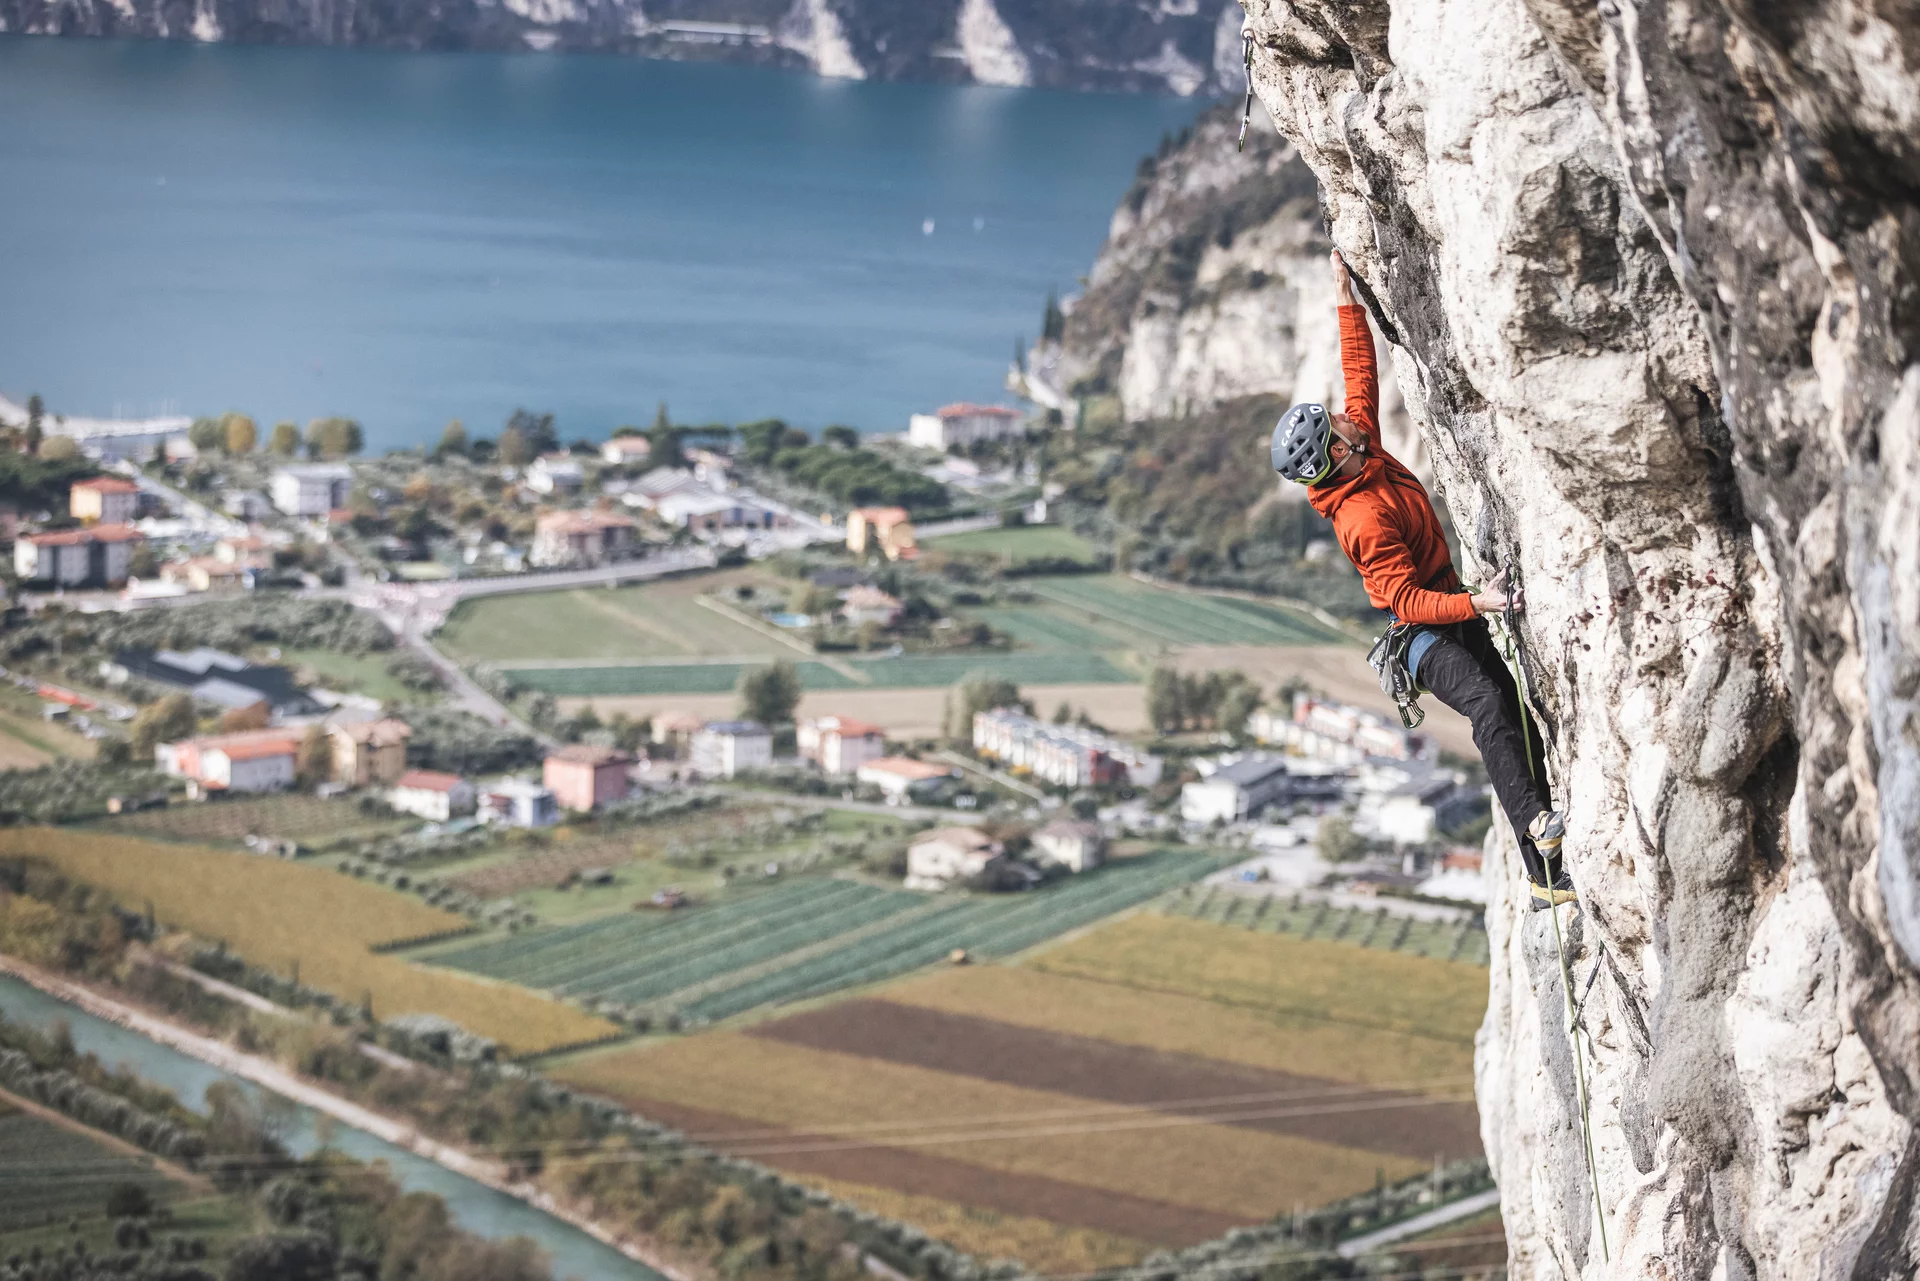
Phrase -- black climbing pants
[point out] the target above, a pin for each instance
(1464, 670)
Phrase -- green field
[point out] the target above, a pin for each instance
(1020, 543)
(909, 672)
(1146, 616)
(805, 938)
(353, 673)
(657, 620)
(50, 1171)
(1270, 914)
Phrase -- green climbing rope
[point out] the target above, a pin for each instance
(1559, 946)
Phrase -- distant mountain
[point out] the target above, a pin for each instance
(1143, 46)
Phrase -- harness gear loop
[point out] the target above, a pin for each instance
(1388, 658)
(1516, 659)
(1246, 108)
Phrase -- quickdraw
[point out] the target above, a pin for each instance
(1516, 659)
(1388, 658)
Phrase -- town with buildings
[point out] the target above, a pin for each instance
(832, 713)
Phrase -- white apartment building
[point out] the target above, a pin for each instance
(962, 425)
(311, 490)
(1337, 732)
(838, 744)
(431, 795)
(1235, 792)
(722, 749)
(1064, 755)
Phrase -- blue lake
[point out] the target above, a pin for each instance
(409, 238)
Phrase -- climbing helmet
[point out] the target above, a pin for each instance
(1300, 444)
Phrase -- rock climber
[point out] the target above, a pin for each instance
(1387, 526)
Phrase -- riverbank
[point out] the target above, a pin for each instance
(271, 1076)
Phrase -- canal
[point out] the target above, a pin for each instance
(474, 1206)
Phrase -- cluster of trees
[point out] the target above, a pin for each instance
(1185, 499)
(52, 921)
(838, 467)
(980, 692)
(34, 481)
(237, 435)
(239, 624)
(1221, 700)
(770, 694)
(65, 790)
(458, 742)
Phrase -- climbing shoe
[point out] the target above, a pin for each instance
(1546, 896)
(1546, 832)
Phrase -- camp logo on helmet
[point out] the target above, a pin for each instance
(1300, 442)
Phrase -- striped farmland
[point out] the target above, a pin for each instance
(806, 938)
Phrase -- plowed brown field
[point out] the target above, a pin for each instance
(1350, 1116)
(924, 1174)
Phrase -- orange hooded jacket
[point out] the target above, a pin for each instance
(1382, 516)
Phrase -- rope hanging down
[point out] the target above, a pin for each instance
(1517, 661)
(1246, 108)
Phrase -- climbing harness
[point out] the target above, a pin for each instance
(1516, 660)
(1246, 108)
(1388, 658)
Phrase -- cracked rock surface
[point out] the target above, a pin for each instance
(1647, 269)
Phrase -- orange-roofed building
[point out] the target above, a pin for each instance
(887, 529)
(255, 761)
(839, 744)
(586, 778)
(71, 557)
(580, 538)
(105, 500)
(900, 776)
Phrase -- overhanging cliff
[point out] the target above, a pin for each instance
(1647, 270)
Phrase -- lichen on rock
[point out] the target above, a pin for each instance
(1647, 273)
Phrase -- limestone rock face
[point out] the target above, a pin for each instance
(1647, 266)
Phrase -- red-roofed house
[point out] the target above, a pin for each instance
(256, 761)
(106, 500)
(97, 554)
(838, 744)
(962, 425)
(431, 795)
(576, 538)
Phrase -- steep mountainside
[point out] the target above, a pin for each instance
(1649, 270)
(1209, 309)
(1155, 46)
(1213, 287)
